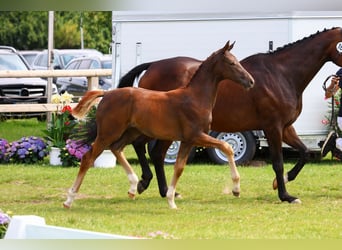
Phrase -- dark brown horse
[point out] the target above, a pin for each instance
(273, 105)
(183, 114)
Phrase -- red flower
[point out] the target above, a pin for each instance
(67, 108)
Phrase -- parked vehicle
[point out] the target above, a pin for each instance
(20, 90)
(29, 55)
(78, 85)
(61, 57)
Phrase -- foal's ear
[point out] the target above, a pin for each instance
(228, 46)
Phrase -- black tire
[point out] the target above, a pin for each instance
(172, 152)
(243, 143)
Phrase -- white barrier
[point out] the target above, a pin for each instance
(92, 76)
(34, 227)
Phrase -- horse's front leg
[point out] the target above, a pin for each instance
(275, 145)
(86, 162)
(146, 177)
(291, 138)
(157, 155)
(182, 157)
(132, 177)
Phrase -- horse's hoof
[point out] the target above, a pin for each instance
(236, 194)
(131, 196)
(66, 205)
(275, 184)
(296, 201)
(141, 188)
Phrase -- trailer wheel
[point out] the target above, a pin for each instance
(172, 152)
(243, 143)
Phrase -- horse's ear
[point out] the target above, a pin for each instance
(228, 46)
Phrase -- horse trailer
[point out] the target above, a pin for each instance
(140, 37)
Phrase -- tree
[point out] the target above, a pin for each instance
(28, 30)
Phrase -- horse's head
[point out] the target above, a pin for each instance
(232, 69)
(335, 49)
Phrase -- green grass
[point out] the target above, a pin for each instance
(14, 129)
(205, 212)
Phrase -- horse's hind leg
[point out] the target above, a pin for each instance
(132, 177)
(86, 162)
(207, 141)
(291, 138)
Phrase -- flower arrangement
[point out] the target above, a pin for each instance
(27, 150)
(3, 149)
(73, 152)
(62, 122)
(5, 219)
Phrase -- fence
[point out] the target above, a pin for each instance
(92, 77)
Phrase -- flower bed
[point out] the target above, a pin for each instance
(27, 150)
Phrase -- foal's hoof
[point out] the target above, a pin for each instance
(66, 205)
(236, 194)
(131, 196)
(296, 201)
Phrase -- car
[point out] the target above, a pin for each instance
(26, 90)
(61, 57)
(78, 85)
(29, 55)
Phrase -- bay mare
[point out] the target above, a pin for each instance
(273, 105)
(183, 114)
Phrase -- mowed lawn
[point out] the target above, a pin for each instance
(204, 212)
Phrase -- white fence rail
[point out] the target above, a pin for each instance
(92, 77)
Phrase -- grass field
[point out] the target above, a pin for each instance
(205, 212)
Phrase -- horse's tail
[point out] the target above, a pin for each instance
(128, 79)
(87, 101)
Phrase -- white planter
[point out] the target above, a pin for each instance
(105, 160)
(55, 160)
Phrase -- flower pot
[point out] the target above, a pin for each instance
(54, 156)
(105, 160)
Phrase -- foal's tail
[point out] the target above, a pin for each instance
(128, 79)
(87, 101)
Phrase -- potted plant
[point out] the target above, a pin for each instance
(60, 126)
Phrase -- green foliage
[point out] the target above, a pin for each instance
(28, 30)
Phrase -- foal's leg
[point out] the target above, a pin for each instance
(132, 177)
(86, 162)
(182, 157)
(207, 141)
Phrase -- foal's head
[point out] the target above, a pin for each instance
(230, 68)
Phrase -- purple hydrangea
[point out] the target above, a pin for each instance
(27, 150)
(3, 150)
(4, 218)
(73, 152)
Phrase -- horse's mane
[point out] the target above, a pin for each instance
(299, 41)
(289, 45)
